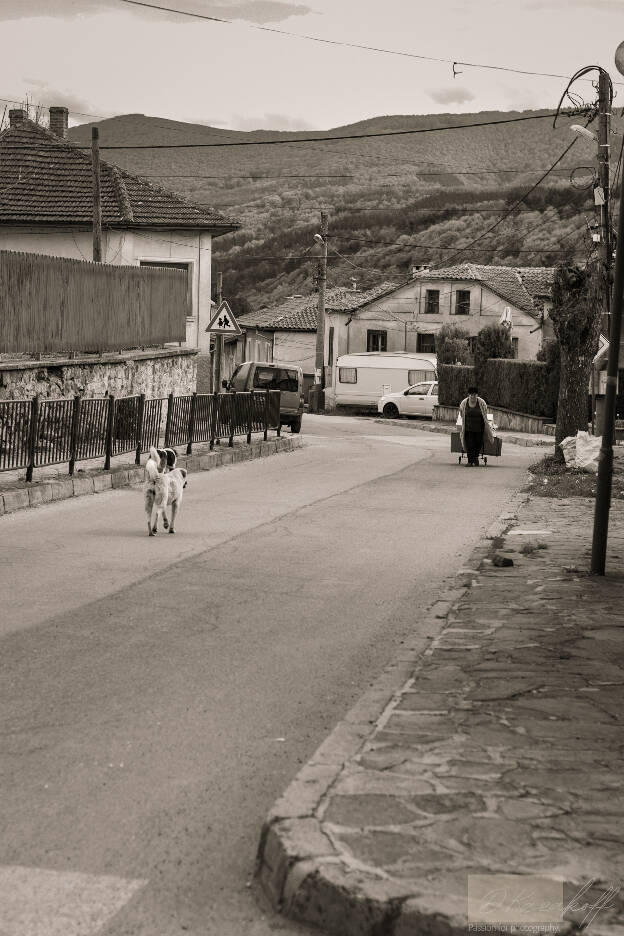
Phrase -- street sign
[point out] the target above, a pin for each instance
(223, 322)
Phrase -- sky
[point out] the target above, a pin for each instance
(101, 58)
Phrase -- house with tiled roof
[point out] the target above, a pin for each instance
(407, 316)
(46, 207)
(286, 333)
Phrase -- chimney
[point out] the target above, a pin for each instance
(58, 121)
(17, 117)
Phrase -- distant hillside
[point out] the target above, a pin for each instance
(392, 200)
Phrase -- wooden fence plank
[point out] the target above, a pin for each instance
(54, 304)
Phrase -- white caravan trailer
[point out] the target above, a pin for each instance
(361, 379)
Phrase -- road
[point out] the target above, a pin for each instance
(159, 694)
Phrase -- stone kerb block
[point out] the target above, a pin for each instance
(120, 479)
(61, 488)
(103, 482)
(16, 500)
(83, 486)
(39, 494)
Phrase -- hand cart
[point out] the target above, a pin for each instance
(489, 448)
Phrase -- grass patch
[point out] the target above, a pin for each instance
(552, 479)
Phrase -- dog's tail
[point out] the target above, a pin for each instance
(152, 464)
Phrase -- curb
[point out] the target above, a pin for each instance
(297, 866)
(447, 428)
(45, 492)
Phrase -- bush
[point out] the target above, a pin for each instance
(453, 383)
(493, 341)
(521, 386)
(452, 345)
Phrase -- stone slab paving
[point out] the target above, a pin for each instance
(499, 751)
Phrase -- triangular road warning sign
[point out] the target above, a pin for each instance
(223, 322)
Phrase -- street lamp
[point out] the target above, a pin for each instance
(584, 132)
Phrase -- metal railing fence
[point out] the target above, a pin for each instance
(36, 433)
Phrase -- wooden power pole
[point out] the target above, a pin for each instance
(605, 459)
(317, 391)
(97, 197)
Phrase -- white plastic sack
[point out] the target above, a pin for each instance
(587, 451)
(582, 451)
(568, 447)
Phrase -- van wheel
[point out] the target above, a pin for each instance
(295, 425)
(390, 410)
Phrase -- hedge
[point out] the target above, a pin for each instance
(528, 387)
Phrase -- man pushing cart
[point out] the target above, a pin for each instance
(474, 438)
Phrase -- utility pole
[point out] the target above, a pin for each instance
(605, 459)
(218, 339)
(317, 395)
(97, 198)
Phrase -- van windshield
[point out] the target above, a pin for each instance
(276, 378)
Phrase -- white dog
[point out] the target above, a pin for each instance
(177, 483)
(157, 486)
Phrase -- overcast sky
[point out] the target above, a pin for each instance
(107, 57)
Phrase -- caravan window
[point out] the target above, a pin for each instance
(415, 376)
(347, 374)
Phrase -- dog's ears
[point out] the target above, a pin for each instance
(171, 457)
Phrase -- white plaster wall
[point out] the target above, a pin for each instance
(290, 347)
(392, 313)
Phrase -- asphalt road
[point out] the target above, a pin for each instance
(157, 695)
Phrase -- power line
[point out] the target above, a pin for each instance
(344, 44)
(518, 202)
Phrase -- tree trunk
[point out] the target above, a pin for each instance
(572, 406)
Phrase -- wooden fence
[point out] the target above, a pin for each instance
(34, 433)
(50, 304)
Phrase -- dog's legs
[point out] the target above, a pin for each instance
(149, 509)
(174, 510)
(165, 521)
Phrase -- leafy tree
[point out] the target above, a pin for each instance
(493, 341)
(578, 303)
(452, 345)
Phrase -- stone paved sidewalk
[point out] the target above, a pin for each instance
(497, 751)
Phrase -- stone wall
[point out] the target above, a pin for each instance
(155, 373)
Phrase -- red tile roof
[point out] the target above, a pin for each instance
(298, 313)
(45, 179)
(522, 286)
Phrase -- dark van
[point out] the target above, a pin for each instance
(256, 375)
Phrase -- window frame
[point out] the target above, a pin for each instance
(460, 302)
(419, 337)
(430, 294)
(382, 337)
(342, 370)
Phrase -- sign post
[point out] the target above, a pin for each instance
(222, 323)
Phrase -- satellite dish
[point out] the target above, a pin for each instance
(506, 319)
(619, 58)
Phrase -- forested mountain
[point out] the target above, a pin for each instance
(393, 201)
